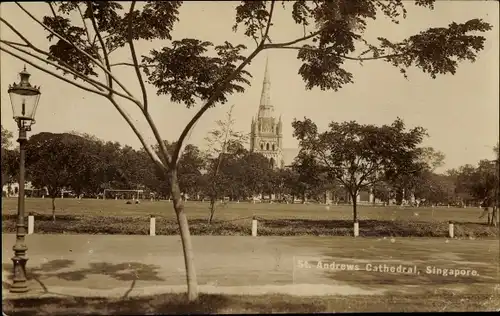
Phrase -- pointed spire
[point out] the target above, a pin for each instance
(265, 107)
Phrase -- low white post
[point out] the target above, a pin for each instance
(254, 227)
(31, 224)
(451, 229)
(152, 226)
(356, 229)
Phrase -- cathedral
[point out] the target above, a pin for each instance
(266, 133)
(266, 138)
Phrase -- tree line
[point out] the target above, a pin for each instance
(388, 161)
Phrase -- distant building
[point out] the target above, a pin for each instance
(266, 138)
(12, 190)
(266, 133)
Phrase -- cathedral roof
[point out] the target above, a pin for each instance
(265, 107)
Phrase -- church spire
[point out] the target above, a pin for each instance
(265, 107)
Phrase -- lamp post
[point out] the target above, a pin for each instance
(24, 100)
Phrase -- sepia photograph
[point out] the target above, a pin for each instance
(250, 157)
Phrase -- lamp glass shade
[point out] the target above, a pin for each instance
(24, 98)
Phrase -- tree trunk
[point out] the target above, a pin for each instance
(495, 216)
(354, 208)
(53, 209)
(187, 247)
(212, 209)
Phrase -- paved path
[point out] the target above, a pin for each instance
(117, 266)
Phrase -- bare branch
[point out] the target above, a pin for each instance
(130, 122)
(65, 67)
(266, 33)
(52, 73)
(366, 174)
(16, 31)
(95, 61)
(132, 65)
(94, 83)
(103, 45)
(267, 46)
(210, 102)
(85, 25)
(156, 133)
(214, 96)
(134, 58)
(283, 45)
(14, 43)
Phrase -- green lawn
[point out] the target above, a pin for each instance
(199, 210)
(116, 217)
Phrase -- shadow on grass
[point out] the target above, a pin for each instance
(127, 272)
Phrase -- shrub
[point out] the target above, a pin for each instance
(139, 225)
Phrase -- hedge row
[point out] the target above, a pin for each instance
(139, 225)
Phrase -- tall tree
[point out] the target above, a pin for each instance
(54, 161)
(359, 156)
(6, 138)
(411, 176)
(219, 139)
(83, 34)
(308, 172)
(9, 159)
(481, 183)
(191, 165)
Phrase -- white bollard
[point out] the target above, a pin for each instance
(356, 229)
(451, 229)
(152, 226)
(31, 224)
(254, 227)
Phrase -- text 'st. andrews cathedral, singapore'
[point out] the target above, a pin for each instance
(266, 133)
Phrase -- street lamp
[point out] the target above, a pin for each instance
(24, 99)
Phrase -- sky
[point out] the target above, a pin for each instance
(460, 112)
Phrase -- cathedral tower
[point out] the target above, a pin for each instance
(266, 135)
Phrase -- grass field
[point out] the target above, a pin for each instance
(116, 217)
(197, 210)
